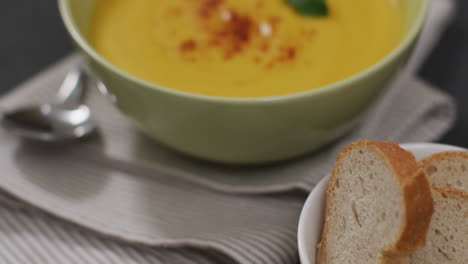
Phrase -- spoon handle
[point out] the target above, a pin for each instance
(72, 92)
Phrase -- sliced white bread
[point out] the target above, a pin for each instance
(448, 233)
(378, 206)
(447, 240)
(447, 169)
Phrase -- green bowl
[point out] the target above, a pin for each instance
(243, 130)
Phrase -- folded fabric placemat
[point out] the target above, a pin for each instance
(126, 199)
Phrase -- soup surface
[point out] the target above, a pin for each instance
(243, 48)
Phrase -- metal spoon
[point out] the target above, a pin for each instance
(65, 119)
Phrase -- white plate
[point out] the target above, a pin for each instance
(312, 215)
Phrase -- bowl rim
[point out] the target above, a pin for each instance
(404, 44)
(321, 188)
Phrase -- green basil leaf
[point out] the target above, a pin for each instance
(309, 7)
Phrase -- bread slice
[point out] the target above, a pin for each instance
(448, 232)
(447, 240)
(378, 206)
(447, 169)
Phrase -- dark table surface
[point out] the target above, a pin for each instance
(32, 37)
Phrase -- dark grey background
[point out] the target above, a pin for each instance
(32, 37)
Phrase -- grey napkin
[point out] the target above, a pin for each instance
(126, 199)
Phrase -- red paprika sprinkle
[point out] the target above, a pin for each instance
(188, 45)
(231, 32)
(208, 7)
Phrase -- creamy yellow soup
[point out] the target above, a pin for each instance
(243, 48)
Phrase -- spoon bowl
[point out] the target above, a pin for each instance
(66, 119)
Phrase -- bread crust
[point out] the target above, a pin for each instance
(418, 208)
(446, 155)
